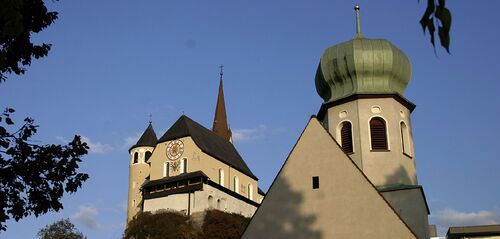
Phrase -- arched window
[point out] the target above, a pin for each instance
(210, 201)
(378, 133)
(346, 137)
(250, 191)
(405, 139)
(136, 157)
(218, 204)
(148, 155)
(236, 184)
(184, 165)
(166, 169)
(221, 176)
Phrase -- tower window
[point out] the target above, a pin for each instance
(405, 139)
(236, 184)
(221, 177)
(378, 133)
(166, 169)
(136, 157)
(184, 165)
(147, 156)
(315, 181)
(346, 137)
(250, 191)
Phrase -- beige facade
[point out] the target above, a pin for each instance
(138, 172)
(396, 165)
(197, 160)
(344, 205)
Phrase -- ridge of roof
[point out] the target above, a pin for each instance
(148, 138)
(209, 142)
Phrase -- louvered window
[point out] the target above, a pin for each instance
(378, 134)
(346, 137)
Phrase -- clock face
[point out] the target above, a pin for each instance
(175, 149)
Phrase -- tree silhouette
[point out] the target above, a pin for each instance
(62, 229)
(33, 177)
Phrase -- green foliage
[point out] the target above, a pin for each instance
(160, 225)
(221, 225)
(62, 229)
(168, 224)
(19, 19)
(35, 177)
(436, 14)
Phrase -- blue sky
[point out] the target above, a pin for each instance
(115, 62)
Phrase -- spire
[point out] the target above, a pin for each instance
(148, 138)
(220, 126)
(358, 22)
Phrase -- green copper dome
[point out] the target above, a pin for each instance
(362, 66)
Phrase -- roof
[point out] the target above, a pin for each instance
(174, 178)
(208, 142)
(484, 230)
(220, 126)
(148, 138)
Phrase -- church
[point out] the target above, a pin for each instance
(351, 174)
(190, 169)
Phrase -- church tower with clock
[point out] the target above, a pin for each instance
(190, 169)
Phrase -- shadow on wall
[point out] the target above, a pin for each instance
(400, 176)
(280, 215)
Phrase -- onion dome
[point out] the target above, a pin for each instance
(148, 138)
(362, 66)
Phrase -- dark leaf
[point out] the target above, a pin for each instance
(9, 121)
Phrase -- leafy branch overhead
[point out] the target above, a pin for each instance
(436, 14)
(35, 177)
(18, 20)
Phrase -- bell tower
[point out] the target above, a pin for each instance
(139, 169)
(362, 83)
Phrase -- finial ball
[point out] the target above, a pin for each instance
(356, 8)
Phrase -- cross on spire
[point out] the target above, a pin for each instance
(221, 71)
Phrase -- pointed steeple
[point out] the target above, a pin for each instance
(148, 138)
(220, 126)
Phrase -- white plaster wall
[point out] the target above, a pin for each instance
(177, 202)
(232, 205)
(199, 202)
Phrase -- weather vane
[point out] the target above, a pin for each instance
(150, 118)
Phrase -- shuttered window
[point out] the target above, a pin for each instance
(378, 134)
(346, 137)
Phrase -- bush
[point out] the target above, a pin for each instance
(170, 224)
